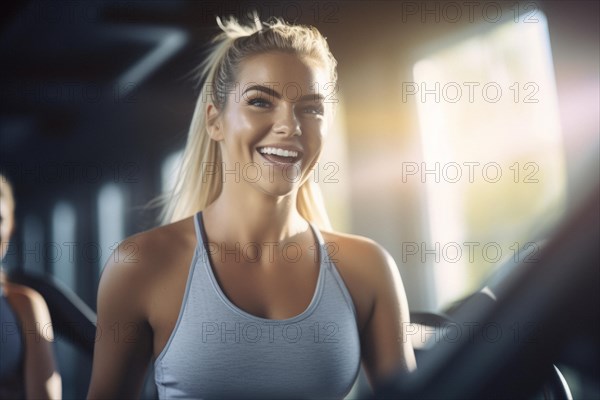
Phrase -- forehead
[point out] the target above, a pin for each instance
(278, 69)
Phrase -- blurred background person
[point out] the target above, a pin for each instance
(27, 366)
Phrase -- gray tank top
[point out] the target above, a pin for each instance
(12, 352)
(219, 351)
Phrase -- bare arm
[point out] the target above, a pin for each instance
(42, 380)
(123, 346)
(385, 346)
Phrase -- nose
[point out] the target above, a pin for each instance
(286, 122)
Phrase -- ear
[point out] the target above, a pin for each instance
(213, 123)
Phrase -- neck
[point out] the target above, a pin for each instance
(245, 215)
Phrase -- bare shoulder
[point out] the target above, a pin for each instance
(27, 302)
(141, 260)
(358, 252)
(132, 287)
(22, 293)
(148, 250)
(146, 246)
(364, 265)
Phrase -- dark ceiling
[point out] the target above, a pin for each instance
(72, 74)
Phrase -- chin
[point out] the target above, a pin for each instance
(280, 189)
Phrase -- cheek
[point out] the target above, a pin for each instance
(314, 142)
(314, 134)
(244, 126)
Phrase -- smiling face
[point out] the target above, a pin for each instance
(272, 127)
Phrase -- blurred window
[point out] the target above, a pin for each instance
(111, 230)
(62, 250)
(170, 169)
(493, 156)
(33, 245)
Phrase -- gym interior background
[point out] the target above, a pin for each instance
(462, 128)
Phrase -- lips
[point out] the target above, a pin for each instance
(280, 154)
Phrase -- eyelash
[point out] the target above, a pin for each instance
(262, 103)
(256, 101)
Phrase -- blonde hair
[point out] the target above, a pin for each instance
(194, 188)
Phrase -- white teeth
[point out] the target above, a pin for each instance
(279, 152)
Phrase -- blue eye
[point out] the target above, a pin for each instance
(258, 102)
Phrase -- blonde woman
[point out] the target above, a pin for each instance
(246, 292)
(27, 365)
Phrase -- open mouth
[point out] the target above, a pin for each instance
(277, 155)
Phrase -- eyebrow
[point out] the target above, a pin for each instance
(273, 93)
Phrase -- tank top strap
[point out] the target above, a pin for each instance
(202, 245)
(317, 233)
(322, 248)
(198, 228)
